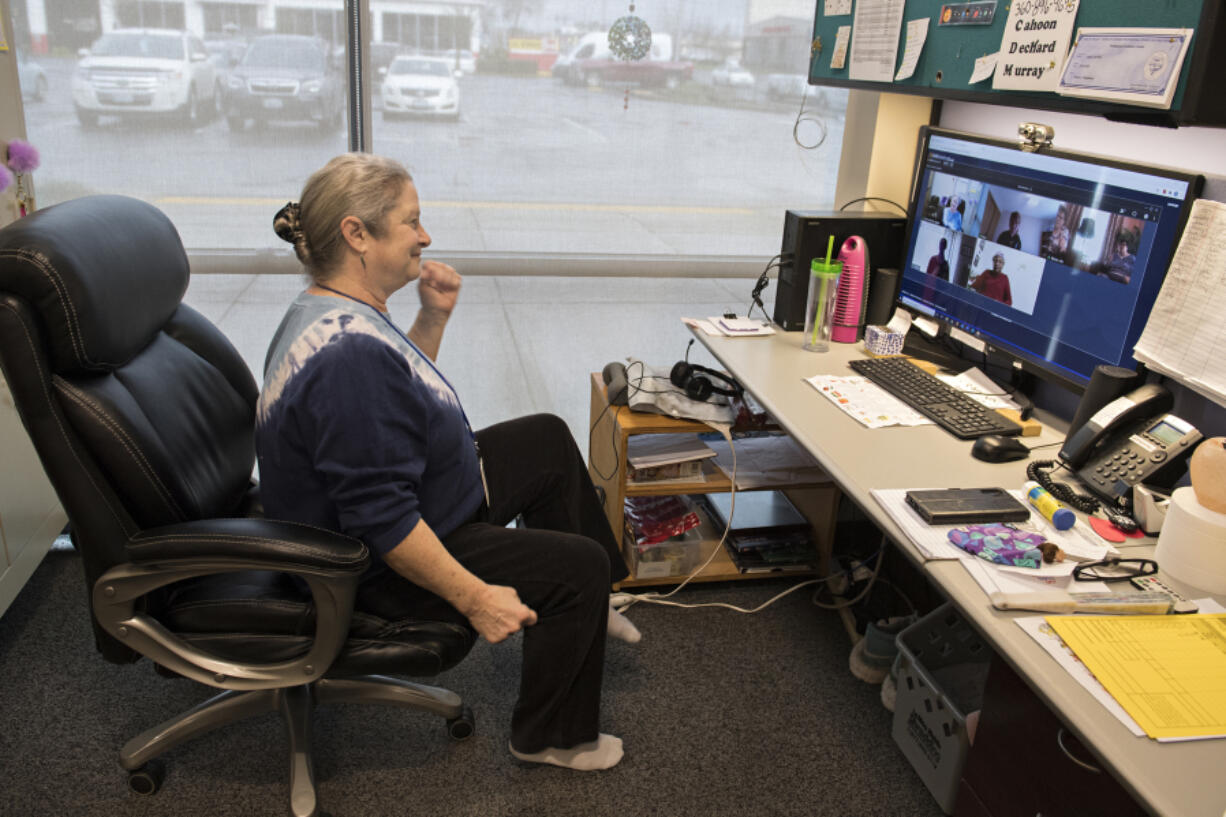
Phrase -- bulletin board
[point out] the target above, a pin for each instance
(947, 61)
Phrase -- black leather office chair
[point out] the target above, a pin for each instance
(142, 413)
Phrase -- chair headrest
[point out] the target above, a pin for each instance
(103, 272)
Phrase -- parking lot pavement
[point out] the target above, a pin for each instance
(532, 165)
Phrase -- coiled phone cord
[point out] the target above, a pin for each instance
(1039, 471)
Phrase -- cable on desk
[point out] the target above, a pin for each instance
(1040, 472)
(755, 297)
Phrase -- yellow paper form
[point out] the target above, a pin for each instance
(1168, 672)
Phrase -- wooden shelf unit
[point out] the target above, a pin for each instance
(612, 427)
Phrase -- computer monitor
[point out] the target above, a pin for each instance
(1052, 257)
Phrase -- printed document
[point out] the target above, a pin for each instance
(1167, 672)
(874, 39)
(867, 402)
(1185, 334)
(1042, 632)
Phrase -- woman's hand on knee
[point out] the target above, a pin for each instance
(497, 613)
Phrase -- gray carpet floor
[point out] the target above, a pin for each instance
(721, 713)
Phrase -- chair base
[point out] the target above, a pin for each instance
(296, 705)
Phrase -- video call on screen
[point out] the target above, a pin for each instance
(1055, 258)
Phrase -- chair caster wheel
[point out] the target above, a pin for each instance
(146, 780)
(463, 727)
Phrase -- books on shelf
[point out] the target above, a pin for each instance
(664, 458)
(664, 474)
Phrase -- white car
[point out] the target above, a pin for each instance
(144, 71)
(731, 73)
(420, 85)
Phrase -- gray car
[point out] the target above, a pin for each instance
(287, 78)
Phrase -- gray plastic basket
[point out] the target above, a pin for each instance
(941, 669)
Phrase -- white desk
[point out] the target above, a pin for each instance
(1181, 780)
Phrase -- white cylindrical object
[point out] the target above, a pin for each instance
(1192, 545)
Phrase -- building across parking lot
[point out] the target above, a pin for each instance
(43, 26)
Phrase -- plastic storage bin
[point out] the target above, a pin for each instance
(941, 669)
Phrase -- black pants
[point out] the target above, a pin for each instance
(559, 565)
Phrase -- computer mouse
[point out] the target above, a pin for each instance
(999, 448)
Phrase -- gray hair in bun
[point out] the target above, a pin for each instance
(363, 185)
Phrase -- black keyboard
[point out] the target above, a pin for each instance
(949, 408)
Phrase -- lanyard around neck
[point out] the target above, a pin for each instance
(414, 347)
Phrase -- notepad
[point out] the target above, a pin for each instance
(1167, 672)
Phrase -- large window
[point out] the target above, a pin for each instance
(525, 134)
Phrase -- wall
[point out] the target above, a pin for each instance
(879, 157)
(30, 515)
(1202, 150)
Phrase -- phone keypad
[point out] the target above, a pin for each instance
(1119, 471)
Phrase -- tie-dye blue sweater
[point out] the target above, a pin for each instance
(357, 432)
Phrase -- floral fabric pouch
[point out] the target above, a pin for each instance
(1000, 544)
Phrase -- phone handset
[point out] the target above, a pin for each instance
(1150, 400)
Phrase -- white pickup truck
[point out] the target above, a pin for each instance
(591, 63)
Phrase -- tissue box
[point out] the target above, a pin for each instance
(882, 340)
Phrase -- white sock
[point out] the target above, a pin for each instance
(621, 627)
(602, 753)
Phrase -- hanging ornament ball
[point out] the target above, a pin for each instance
(630, 38)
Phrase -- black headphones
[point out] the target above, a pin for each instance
(695, 381)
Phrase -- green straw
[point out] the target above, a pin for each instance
(821, 293)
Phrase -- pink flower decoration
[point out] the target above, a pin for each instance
(23, 157)
(6, 178)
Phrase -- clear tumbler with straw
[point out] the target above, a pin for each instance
(823, 290)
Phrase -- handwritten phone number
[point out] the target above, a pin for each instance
(1032, 8)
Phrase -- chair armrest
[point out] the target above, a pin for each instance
(329, 563)
(297, 546)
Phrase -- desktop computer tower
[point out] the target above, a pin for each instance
(806, 234)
